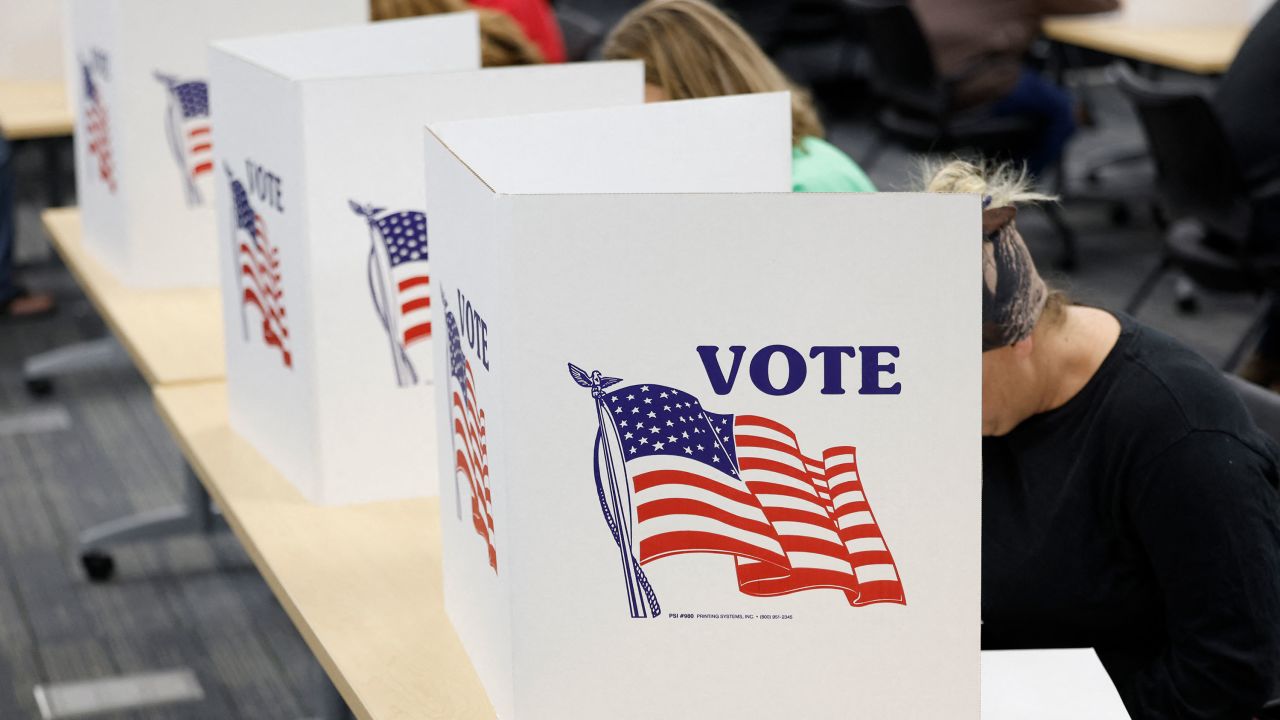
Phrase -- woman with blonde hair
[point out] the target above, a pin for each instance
(1129, 503)
(502, 42)
(692, 50)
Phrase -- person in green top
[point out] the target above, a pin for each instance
(690, 50)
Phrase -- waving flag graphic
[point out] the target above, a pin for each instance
(258, 271)
(673, 478)
(187, 125)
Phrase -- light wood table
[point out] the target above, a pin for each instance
(172, 336)
(362, 583)
(1198, 50)
(32, 111)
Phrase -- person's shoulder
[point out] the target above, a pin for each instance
(1175, 393)
(819, 166)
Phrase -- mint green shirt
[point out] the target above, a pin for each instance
(819, 166)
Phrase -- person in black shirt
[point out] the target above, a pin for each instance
(1129, 502)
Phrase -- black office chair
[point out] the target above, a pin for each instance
(919, 105)
(1214, 239)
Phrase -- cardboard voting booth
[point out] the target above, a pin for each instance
(709, 448)
(325, 259)
(138, 77)
(31, 47)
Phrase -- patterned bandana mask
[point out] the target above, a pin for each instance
(1012, 292)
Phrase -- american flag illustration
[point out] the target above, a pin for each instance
(399, 282)
(259, 276)
(470, 443)
(97, 124)
(190, 136)
(673, 477)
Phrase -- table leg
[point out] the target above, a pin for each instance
(53, 171)
(195, 515)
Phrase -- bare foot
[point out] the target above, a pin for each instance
(29, 306)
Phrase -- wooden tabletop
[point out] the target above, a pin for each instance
(362, 583)
(34, 110)
(1199, 50)
(173, 336)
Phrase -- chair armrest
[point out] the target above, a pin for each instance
(1269, 191)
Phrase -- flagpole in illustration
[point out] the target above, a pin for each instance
(458, 370)
(235, 254)
(405, 374)
(173, 125)
(614, 491)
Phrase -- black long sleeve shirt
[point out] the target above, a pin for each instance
(1141, 519)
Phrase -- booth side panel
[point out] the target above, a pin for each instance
(93, 81)
(475, 481)
(370, 285)
(263, 261)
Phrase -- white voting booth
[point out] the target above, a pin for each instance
(31, 48)
(709, 447)
(138, 77)
(324, 252)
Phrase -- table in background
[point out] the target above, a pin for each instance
(30, 111)
(364, 586)
(37, 113)
(172, 336)
(1197, 50)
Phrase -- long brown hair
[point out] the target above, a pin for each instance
(692, 50)
(502, 42)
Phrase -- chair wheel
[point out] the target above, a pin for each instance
(39, 387)
(1188, 304)
(99, 566)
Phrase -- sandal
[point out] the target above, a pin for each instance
(28, 306)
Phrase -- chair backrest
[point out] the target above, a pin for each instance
(1262, 404)
(1197, 175)
(904, 72)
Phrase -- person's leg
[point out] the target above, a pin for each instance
(8, 289)
(1052, 109)
(14, 301)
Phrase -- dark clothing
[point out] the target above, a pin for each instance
(1141, 519)
(8, 287)
(1246, 102)
(1052, 108)
(993, 34)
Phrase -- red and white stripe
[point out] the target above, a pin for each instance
(199, 144)
(472, 458)
(98, 127)
(413, 293)
(792, 523)
(683, 506)
(262, 286)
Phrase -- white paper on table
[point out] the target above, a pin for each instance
(1048, 685)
